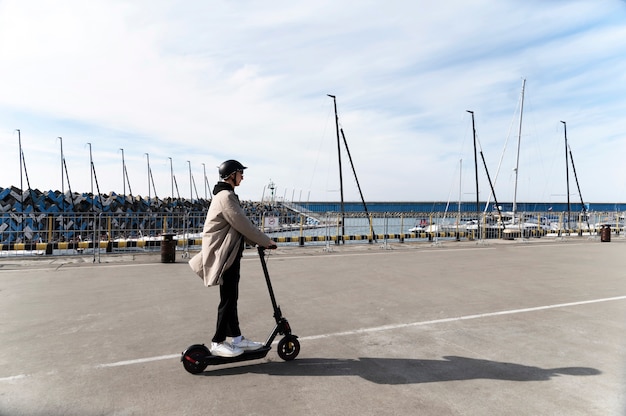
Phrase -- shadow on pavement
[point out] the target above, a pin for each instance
(406, 371)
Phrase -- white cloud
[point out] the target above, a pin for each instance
(206, 81)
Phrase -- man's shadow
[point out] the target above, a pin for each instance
(406, 371)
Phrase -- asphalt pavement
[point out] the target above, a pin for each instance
(530, 327)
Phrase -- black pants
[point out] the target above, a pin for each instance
(227, 317)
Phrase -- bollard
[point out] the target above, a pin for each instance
(168, 249)
(605, 233)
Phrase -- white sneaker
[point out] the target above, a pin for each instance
(247, 345)
(225, 349)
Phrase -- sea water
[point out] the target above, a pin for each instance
(332, 226)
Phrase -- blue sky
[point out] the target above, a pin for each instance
(204, 81)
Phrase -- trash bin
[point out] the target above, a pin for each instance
(605, 233)
(168, 249)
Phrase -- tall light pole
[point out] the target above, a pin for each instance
(567, 174)
(340, 173)
(476, 174)
(172, 176)
(62, 179)
(206, 182)
(19, 141)
(92, 171)
(190, 183)
(475, 161)
(91, 176)
(123, 175)
(149, 196)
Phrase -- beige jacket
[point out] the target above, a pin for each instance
(226, 224)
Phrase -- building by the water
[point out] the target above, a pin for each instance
(442, 206)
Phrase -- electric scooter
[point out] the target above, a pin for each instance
(197, 357)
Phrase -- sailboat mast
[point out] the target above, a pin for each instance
(495, 199)
(519, 141)
(571, 156)
(356, 179)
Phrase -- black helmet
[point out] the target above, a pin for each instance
(229, 167)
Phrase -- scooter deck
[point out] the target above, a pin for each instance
(246, 356)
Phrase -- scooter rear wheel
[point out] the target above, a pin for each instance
(288, 348)
(193, 359)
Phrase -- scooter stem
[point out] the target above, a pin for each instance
(277, 313)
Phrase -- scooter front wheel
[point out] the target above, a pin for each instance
(288, 348)
(194, 359)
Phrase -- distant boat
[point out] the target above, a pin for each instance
(418, 228)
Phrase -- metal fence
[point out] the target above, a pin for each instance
(84, 233)
(87, 233)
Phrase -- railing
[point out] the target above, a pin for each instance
(62, 234)
(338, 228)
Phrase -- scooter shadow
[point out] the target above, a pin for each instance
(395, 371)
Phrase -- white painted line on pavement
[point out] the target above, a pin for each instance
(139, 361)
(13, 378)
(389, 327)
(461, 318)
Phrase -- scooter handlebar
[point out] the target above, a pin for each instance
(270, 247)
